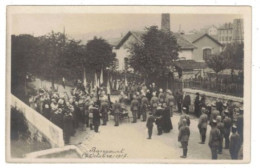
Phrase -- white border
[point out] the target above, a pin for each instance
(255, 65)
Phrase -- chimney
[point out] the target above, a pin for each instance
(165, 22)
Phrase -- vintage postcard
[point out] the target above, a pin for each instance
(128, 84)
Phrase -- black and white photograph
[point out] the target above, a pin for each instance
(128, 84)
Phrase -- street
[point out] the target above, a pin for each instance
(132, 138)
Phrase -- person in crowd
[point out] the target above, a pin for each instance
(161, 96)
(57, 118)
(184, 116)
(144, 107)
(139, 99)
(183, 137)
(202, 125)
(86, 110)
(149, 125)
(240, 125)
(96, 117)
(214, 140)
(197, 105)
(67, 126)
(220, 126)
(134, 108)
(187, 102)
(234, 145)
(159, 119)
(166, 119)
(227, 126)
(117, 110)
(104, 109)
(179, 101)
(170, 102)
(219, 106)
(213, 116)
(154, 102)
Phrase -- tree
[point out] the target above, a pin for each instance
(99, 55)
(54, 45)
(217, 62)
(234, 52)
(153, 57)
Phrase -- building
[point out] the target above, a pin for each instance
(211, 30)
(231, 32)
(225, 33)
(205, 45)
(122, 49)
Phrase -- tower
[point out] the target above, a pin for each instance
(165, 22)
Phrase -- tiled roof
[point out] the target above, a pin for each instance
(192, 37)
(182, 42)
(196, 36)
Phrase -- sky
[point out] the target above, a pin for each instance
(86, 26)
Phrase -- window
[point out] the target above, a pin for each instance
(206, 53)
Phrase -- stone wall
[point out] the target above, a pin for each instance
(210, 97)
(40, 127)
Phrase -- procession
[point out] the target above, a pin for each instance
(165, 88)
(87, 109)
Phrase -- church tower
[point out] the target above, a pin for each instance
(165, 22)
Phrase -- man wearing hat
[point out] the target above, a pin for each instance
(154, 102)
(149, 125)
(117, 110)
(184, 116)
(214, 115)
(134, 108)
(197, 105)
(144, 107)
(203, 123)
(183, 137)
(104, 109)
(220, 126)
(227, 126)
(234, 146)
(170, 102)
(214, 140)
(159, 119)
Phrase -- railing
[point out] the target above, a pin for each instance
(52, 132)
(228, 88)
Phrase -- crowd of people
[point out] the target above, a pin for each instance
(84, 108)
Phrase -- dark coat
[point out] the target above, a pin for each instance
(150, 121)
(166, 117)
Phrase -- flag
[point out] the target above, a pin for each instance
(101, 77)
(96, 81)
(108, 87)
(91, 87)
(84, 78)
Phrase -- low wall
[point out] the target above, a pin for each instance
(50, 131)
(210, 96)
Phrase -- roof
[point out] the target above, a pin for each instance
(197, 36)
(189, 64)
(113, 41)
(182, 42)
(136, 34)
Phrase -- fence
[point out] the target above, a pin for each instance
(53, 133)
(229, 88)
